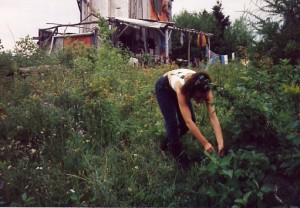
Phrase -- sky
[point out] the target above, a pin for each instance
(19, 18)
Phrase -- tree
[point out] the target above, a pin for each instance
(222, 23)
(226, 38)
(1, 46)
(24, 49)
(201, 21)
(279, 31)
(239, 36)
(7, 65)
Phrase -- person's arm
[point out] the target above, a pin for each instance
(215, 121)
(187, 116)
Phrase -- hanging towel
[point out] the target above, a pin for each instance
(224, 59)
(181, 38)
(213, 57)
(198, 40)
(233, 56)
(201, 40)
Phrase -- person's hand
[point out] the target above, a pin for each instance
(221, 150)
(208, 147)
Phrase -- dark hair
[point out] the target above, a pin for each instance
(198, 82)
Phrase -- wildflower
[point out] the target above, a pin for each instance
(72, 191)
(3, 117)
(9, 167)
(81, 132)
(32, 151)
(19, 127)
(136, 167)
(129, 189)
(39, 168)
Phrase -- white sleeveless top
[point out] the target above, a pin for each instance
(179, 75)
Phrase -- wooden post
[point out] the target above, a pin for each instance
(144, 31)
(189, 49)
(167, 45)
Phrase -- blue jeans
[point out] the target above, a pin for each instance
(168, 104)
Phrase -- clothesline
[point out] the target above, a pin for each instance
(189, 30)
(214, 58)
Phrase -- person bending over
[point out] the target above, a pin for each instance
(174, 92)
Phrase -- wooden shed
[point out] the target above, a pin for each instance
(143, 26)
(140, 23)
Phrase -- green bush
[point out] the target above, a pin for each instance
(7, 64)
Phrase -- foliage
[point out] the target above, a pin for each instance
(7, 65)
(73, 51)
(227, 37)
(202, 21)
(105, 32)
(222, 23)
(86, 133)
(237, 184)
(1, 46)
(239, 35)
(23, 50)
(279, 30)
(25, 47)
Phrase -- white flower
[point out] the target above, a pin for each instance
(81, 132)
(72, 191)
(136, 167)
(32, 151)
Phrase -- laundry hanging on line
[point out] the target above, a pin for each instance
(181, 38)
(214, 58)
(201, 40)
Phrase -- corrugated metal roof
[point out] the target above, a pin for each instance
(158, 25)
(142, 23)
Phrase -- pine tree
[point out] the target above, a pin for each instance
(280, 31)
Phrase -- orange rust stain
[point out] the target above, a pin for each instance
(159, 17)
(83, 39)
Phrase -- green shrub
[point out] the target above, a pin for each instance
(7, 64)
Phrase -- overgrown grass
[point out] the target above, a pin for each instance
(88, 136)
